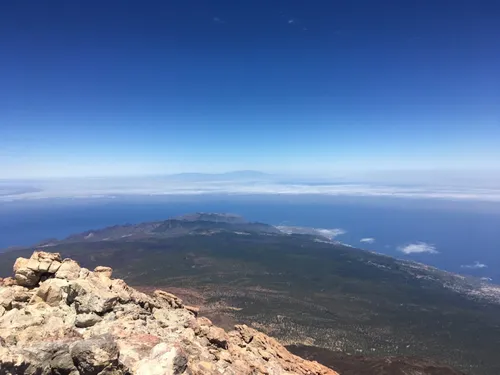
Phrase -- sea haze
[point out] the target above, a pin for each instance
(458, 236)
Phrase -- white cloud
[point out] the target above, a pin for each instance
(475, 265)
(367, 240)
(63, 188)
(217, 20)
(332, 233)
(418, 248)
(291, 20)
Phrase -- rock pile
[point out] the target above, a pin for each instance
(57, 318)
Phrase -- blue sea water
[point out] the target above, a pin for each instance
(462, 232)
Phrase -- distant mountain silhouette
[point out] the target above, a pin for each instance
(234, 175)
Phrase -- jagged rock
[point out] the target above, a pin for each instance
(143, 300)
(195, 310)
(6, 297)
(168, 299)
(218, 337)
(87, 320)
(103, 271)
(95, 355)
(52, 291)
(28, 272)
(84, 273)
(19, 264)
(84, 323)
(27, 277)
(69, 270)
(90, 297)
(41, 262)
(121, 289)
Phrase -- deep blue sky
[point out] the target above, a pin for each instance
(138, 87)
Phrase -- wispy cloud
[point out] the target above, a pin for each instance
(475, 265)
(217, 20)
(291, 21)
(367, 240)
(418, 248)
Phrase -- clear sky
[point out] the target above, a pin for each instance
(146, 87)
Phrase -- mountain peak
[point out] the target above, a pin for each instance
(212, 217)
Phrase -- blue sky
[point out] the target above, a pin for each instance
(129, 88)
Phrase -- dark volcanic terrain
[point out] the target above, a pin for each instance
(349, 307)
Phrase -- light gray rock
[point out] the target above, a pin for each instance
(20, 263)
(52, 291)
(164, 359)
(84, 273)
(69, 270)
(87, 320)
(27, 277)
(90, 297)
(119, 287)
(6, 297)
(103, 271)
(168, 299)
(54, 266)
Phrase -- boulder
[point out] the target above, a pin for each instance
(69, 270)
(6, 298)
(218, 337)
(41, 261)
(119, 287)
(27, 277)
(164, 359)
(52, 291)
(20, 263)
(84, 273)
(90, 297)
(103, 271)
(195, 310)
(168, 299)
(54, 267)
(95, 355)
(87, 320)
(28, 272)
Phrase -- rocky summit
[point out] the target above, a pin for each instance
(59, 318)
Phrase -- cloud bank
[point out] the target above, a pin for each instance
(223, 184)
(367, 240)
(418, 248)
(475, 265)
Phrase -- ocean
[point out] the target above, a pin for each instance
(464, 236)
